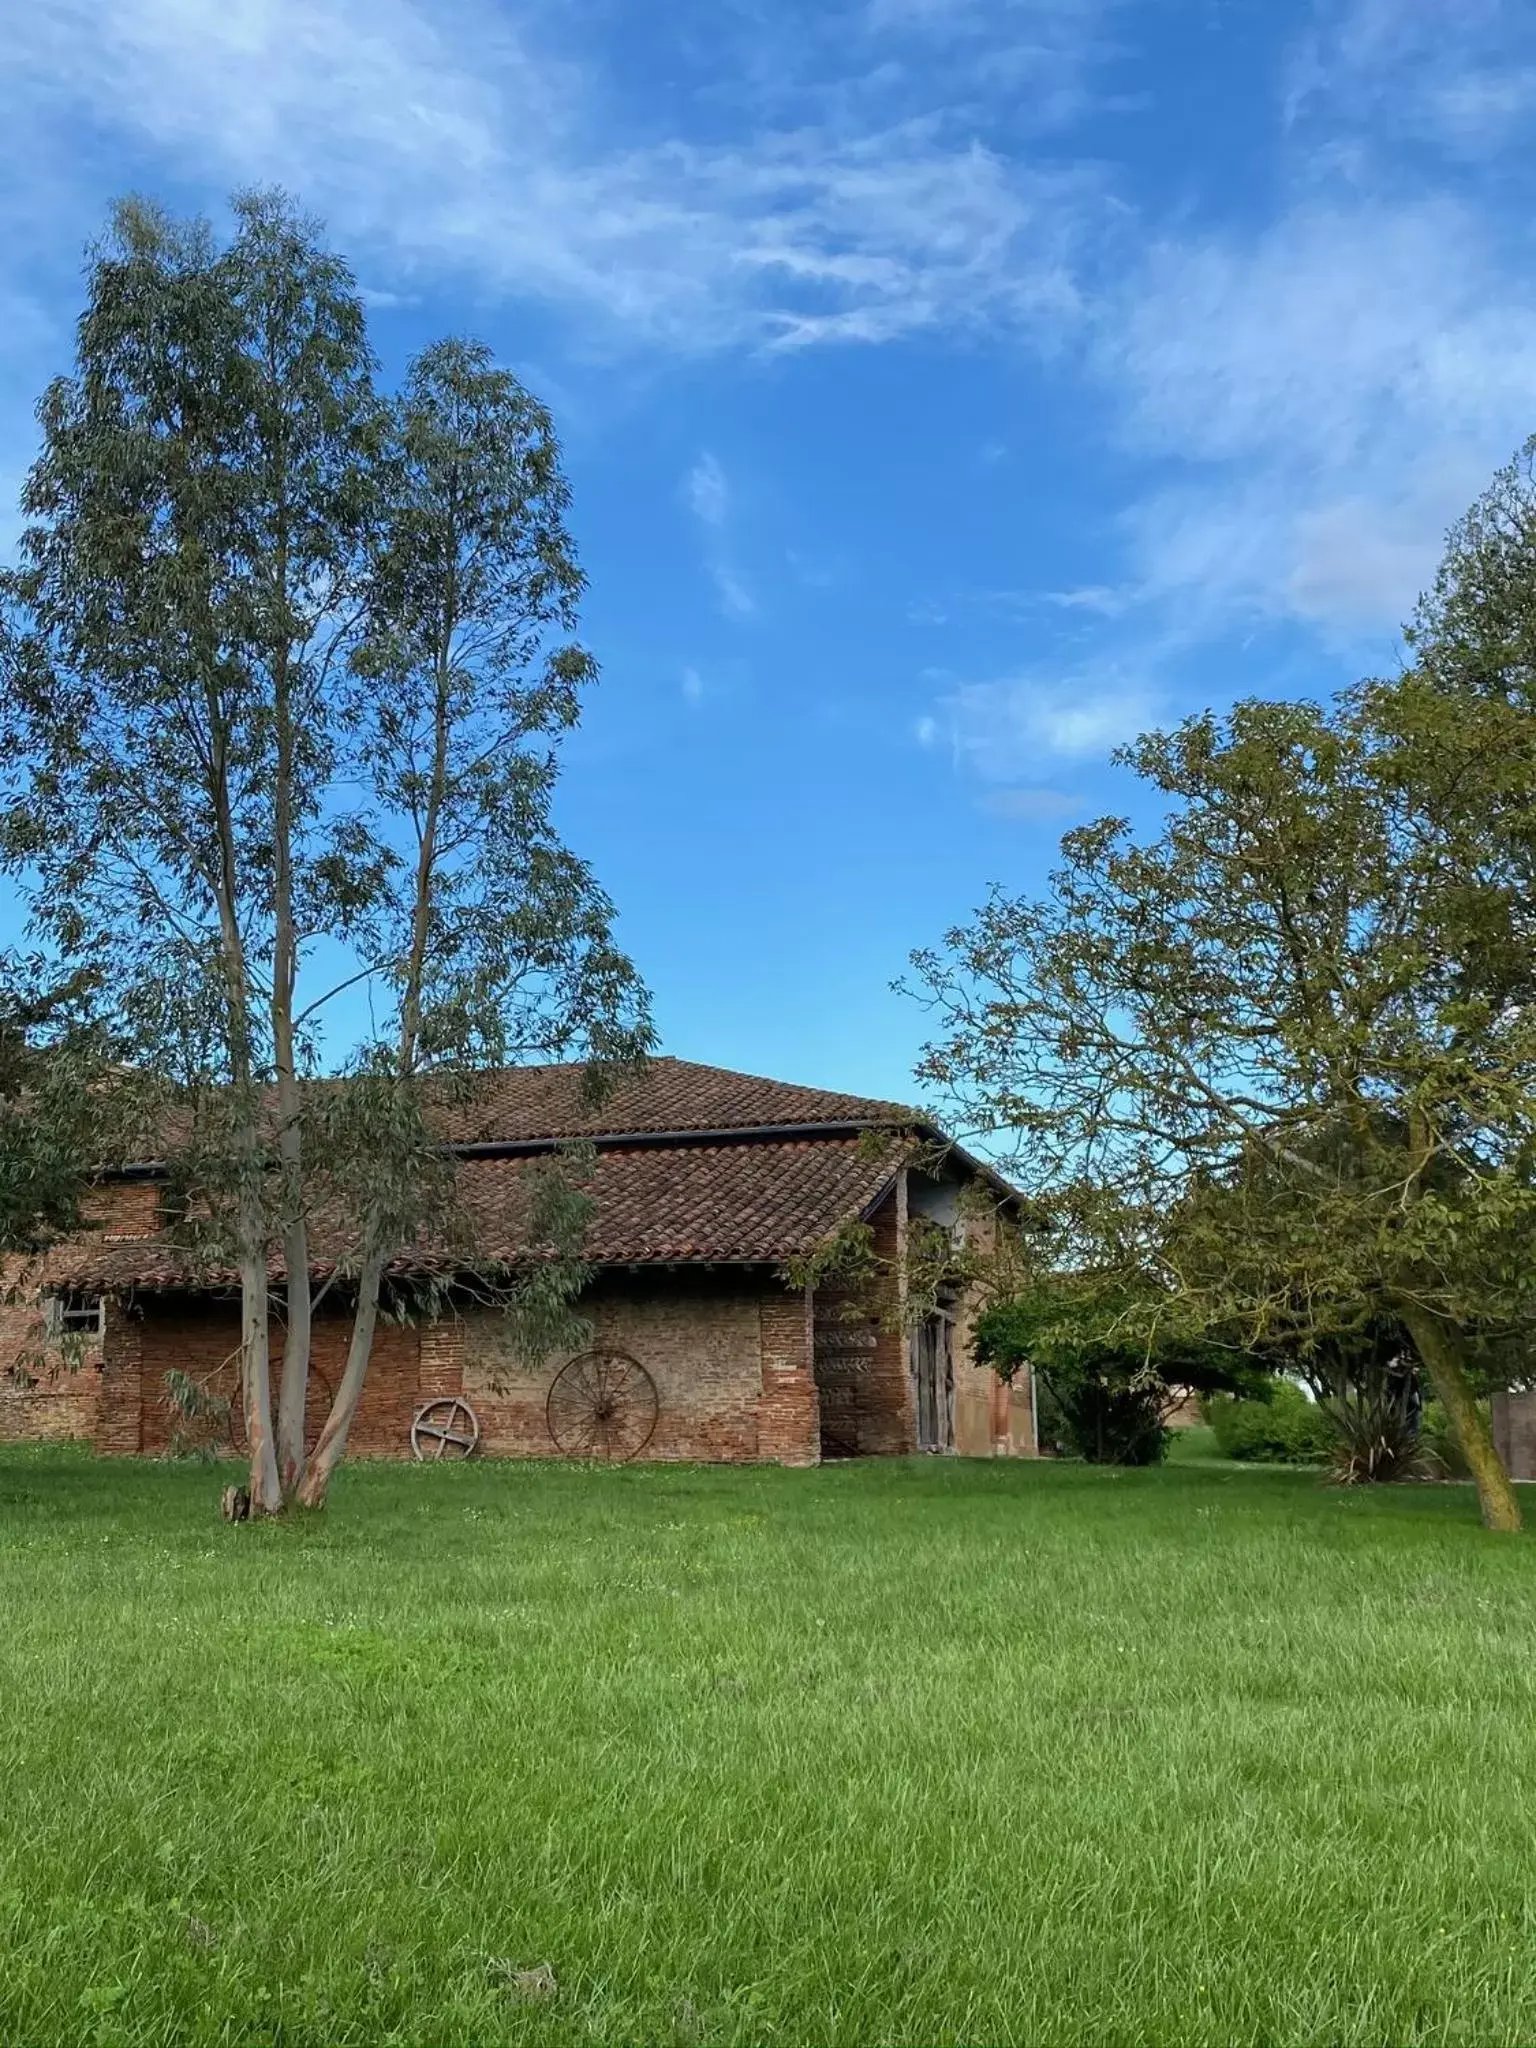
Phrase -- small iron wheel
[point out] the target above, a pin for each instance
(602, 1405)
(445, 1428)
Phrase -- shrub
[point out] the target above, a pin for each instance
(1103, 1419)
(1109, 1368)
(1376, 1431)
(1284, 1429)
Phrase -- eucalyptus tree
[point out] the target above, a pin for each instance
(490, 939)
(1285, 1047)
(241, 569)
(196, 522)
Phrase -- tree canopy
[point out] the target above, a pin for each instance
(1281, 1052)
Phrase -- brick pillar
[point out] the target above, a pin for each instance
(788, 1412)
(120, 1404)
(442, 1359)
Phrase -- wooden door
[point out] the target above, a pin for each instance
(933, 1382)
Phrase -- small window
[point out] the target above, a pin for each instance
(76, 1315)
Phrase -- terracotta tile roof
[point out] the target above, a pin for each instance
(734, 1203)
(714, 1202)
(520, 1103)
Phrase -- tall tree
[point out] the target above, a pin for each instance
(196, 523)
(221, 628)
(1295, 1027)
(492, 939)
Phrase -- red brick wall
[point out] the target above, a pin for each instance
(45, 1397)
(119, 1409)
(862, 1369)
(48, 1389)
(202, 1340)
(728, 1354)
(789, 1414)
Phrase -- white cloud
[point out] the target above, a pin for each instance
(1314, 398)
(1000, 731)
(692, 686)
(1461, 78)
(709, 499)
(453, 138)
(1331, 393)
(736, 601)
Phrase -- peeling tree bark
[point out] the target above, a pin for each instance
(330, 1450)
(255, 1373)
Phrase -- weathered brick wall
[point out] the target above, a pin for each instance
(46, 1396)
(727, 1353)
(789, 1415)
(862, 1367)
(844, 1340)
(48, 1389)
(120, 1404)
(202, 1340)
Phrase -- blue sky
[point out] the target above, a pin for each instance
(950, 388)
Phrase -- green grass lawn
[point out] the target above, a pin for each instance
(903, 1752)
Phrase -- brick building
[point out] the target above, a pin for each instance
(706, 1184)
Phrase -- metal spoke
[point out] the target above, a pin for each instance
(601, 1405)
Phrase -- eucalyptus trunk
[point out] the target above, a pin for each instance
(294, 1390)
(332, 1446)
(255, 1385)
(316, 1477)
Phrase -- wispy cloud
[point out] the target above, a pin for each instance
(459, 138)
(1031, 806)
(1385, 71)
(707, 493)
(1313, 394)
(709, 499)
(1000, 731)
(1331, 393)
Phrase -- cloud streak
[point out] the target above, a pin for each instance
(449, 139)
(1000, 731)
(709, 499)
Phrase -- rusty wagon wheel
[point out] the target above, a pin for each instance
(448, 1425)
(602, 1405)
